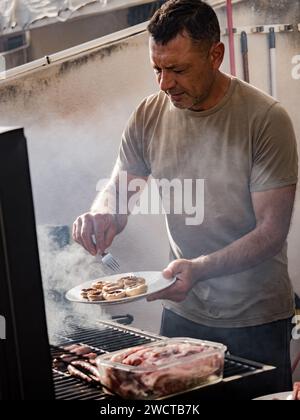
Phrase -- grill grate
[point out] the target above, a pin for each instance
(232, 367)
(102, 340)
(109, 338)
(68, 388)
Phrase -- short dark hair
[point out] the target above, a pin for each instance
(195, 17)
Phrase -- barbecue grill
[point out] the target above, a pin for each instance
(242, 379)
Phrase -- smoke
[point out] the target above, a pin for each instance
(64, 266)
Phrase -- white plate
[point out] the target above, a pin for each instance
(282, 396)
(154, 280)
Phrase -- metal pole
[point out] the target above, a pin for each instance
(273, 65)
(244, 45)
(231, 37)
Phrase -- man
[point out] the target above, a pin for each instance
(232, 281)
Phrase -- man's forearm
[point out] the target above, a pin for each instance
(243, 254)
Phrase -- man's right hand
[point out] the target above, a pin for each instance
(95, 231)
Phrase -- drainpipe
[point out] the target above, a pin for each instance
(273, 65)
(231, 37)
(244, 45)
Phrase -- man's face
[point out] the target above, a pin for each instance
(184, 71)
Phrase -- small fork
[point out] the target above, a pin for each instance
(107, 259)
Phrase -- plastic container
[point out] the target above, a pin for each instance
(161, 369)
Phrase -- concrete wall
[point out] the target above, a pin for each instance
(60, 36)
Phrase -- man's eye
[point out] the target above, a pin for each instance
(178, 71)
(157, 71)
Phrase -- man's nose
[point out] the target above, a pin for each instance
(166, 81)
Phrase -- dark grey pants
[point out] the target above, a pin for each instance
(268, 344)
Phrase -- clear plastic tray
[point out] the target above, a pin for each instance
(162, 369)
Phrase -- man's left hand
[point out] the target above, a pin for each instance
(186, 273)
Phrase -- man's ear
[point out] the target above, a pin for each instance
(216, 55)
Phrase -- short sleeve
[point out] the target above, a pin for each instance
(274, 155)
(131, 151)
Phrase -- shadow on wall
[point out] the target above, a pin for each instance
(142, 13)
